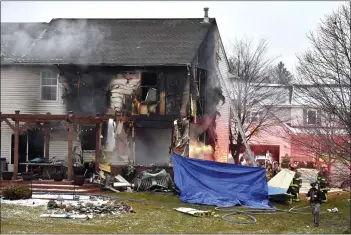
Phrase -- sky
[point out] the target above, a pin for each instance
(284, 24)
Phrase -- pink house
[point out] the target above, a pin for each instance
(293, 125)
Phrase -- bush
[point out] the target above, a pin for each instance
(15, 192)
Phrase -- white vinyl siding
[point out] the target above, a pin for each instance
(21, 90)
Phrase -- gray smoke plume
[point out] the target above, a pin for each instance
(73, 40)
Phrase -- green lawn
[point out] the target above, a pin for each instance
(161, 218)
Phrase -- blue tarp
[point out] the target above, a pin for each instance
(220, 184)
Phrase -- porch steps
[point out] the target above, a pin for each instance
(47, 186)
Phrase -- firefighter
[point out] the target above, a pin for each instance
(269, 172)
(295, 185)
(276, 169)
(323, 183)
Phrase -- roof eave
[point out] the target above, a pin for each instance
(95, 64)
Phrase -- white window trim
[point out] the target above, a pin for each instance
(41, 86)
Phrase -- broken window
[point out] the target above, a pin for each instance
(148, 87)
(49, 85)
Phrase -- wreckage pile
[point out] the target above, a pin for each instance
(88, 208)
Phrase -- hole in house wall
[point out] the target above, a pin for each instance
(88, 136)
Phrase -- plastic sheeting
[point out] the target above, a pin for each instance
(220, 184)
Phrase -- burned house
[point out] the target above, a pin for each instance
(147, 70)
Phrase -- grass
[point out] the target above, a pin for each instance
(161, 218)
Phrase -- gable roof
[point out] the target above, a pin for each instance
(104, 41)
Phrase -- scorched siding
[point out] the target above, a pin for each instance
(20, 90)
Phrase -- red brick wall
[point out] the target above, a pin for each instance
(222, 122)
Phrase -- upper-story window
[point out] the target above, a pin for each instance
(49, 85)
(311, 116)
(253, 117)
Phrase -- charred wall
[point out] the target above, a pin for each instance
(86, 90)
(174, 81)
(90, 90)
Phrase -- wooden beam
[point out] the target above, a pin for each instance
(98, 146)
(70, 148)
(21, 117)
(83, 119)
(9, 124)
(24, 127)
(47, 142)
(16, 148)
(162, 103)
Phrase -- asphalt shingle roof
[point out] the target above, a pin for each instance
(104, 41)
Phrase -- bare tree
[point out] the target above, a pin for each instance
(325, 82)
(253, 97)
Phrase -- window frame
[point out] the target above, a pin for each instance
(316, 117)
(156, 86)
(251, 117)
(41, 85)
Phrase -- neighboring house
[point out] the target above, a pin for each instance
(292, 123)
(138, 68)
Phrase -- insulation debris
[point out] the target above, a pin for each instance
(334, 210)
(120, 86)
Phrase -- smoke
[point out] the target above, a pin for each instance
(16, 38)
(75, 41)
(72, 40)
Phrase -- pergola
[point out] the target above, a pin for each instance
(45, 119)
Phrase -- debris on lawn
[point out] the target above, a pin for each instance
(93, 207)
(149, 181)
(67, 216)
(195, 212)
(334, 210)
(110, 182)
(84, 207)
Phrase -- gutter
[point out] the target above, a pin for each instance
(93, 64)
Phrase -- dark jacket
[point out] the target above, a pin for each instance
(315, 195)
